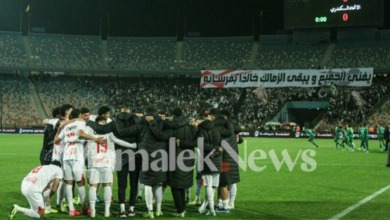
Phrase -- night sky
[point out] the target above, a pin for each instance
(143, 18)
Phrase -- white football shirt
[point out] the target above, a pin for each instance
(74, 146)
(42, 176)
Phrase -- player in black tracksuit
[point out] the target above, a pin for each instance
(127, 127)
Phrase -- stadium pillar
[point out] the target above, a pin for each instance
(104, 25)
(180, 26)
(25, 11)
(257, 24)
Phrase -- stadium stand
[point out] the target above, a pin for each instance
(289, 57)
(78, 91)
(164, 54)
(374, 54)
(142, 92)
(12, 53)
(17, 107)
(217, 53)
(63, 51)
(141, 53)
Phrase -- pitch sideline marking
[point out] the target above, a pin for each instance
(361, 202)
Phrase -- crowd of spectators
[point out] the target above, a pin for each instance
(289, 57)
(217, 53)
(63, 51)
(17, 107)
(164, 54)
(168, 54)
(80, 91)
(12, 53)
(360, 55)
(144, 54)
(164, 93)
(381, 116)
(345, 109)
(137, 93)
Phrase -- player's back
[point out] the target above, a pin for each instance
(70, 133)
(41, 176)
(73, 144)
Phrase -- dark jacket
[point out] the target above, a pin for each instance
(48, 143)
(183, 131)
(210, 146)
(228, 142)
(154, 143)
(123, 121)
(232, 160)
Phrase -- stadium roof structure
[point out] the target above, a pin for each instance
(150, 18)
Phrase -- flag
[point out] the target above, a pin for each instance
(333, 90)
(261, 94)
(358, 99)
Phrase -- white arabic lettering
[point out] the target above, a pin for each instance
(346, 8)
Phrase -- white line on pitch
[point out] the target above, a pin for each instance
(361, 202)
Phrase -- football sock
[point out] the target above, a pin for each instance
(69, 197)
(81, 190)
(149, 198)
(232, 194)
(92, 197)
(210, 198)
(107, 198)
(61, 193)
(122, 207)
(28, 212)
(159, 194)
(225, 203)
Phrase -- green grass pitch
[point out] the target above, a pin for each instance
(336, 181)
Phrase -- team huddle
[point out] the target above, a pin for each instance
(148, 149)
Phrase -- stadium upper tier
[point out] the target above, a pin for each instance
(377, 55)
(290, 57)
(217, 53)
(90, 53)
(50, 51)
(12, 51)
(141, 54)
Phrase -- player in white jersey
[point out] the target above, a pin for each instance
(101, 164)
(58, 150)
(103, 112)
(38, 187)
(73, 159)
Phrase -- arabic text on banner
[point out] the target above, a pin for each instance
(357, 77)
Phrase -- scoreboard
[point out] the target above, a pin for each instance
(302, 14)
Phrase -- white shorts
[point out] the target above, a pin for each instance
(33, 196)
(73, 170)
(211, 179)
(100, 175)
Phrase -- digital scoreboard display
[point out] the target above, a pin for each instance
(302, 14)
